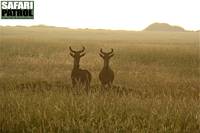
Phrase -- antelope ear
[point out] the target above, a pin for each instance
(82, 55)
(101, 55)
(111, 55)
(71, 54)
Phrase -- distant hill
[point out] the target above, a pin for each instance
(42, 33)
(163, 27)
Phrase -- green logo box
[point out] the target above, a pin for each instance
(17, 10)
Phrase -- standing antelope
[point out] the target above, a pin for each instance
(79, 76)
(106, 75)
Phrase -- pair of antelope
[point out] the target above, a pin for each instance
(83, 77)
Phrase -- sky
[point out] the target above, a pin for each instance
(113, 14)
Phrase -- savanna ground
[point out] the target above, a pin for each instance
(156, 87)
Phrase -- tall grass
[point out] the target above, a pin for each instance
(156, 86)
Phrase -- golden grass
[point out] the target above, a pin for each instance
(156, 87)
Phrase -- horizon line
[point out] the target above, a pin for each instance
(90, 28)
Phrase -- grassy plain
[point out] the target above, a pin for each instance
(156, 87)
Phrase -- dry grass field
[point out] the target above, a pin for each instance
(156, 87)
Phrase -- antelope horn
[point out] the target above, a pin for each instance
(71, 49)
(82, 50)
(102, 51)
(111, 51)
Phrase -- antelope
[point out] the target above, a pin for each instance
(106, 75)
(79, 76)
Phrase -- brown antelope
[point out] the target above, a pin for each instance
(79, 76)
(106, 75)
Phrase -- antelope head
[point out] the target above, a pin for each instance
(77, 55)
(106, 56)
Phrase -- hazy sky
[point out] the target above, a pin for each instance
(113, 14)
